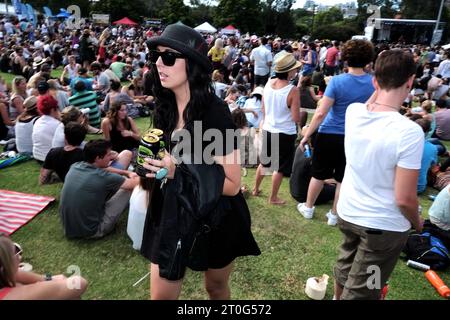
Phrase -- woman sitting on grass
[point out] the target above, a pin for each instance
(19, 94)
(24, 126)
(16, 284)
(120, 129)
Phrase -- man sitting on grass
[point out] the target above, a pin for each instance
(60, 159)
(92, 199)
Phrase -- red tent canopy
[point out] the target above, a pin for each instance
(230, 27)
(125, 21)
(229, 30)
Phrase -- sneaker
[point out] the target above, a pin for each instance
(305, 211)
(332, 219)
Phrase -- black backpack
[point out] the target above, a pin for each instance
(427, 249)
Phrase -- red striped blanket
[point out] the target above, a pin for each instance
(17, 209)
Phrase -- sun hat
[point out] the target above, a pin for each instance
(258, 90)
(30, 103)
(286, 63)
(185, 40)
(295, 45)
(37, 61)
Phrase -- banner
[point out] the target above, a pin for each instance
(47, 12)
(31, 15)
(100, 18)
(17, 6)
(24, 10)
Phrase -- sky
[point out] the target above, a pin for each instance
(300, 3)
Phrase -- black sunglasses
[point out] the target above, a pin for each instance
(168, 57)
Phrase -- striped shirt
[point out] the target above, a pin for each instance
(87, 99)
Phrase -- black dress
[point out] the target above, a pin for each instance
(120, 143)
(233, 237)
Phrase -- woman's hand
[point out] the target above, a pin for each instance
(154, 165)
(126, 133)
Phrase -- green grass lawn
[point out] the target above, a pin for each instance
(293, 249)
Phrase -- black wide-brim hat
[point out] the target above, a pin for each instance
(185, 40)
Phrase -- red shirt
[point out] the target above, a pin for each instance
(331, 57)
(4, 292)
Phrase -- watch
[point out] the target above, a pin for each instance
(48, 277)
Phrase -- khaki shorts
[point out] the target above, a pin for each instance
(366, 259)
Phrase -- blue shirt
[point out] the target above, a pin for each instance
(429, 157)
(345, 89)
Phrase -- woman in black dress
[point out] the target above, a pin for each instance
(184, 95)
(120, 129)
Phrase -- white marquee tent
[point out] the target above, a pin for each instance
(206, 27)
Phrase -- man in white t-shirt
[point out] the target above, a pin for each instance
(262, 58)
(378, 198)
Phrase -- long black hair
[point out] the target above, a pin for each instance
(166, 110)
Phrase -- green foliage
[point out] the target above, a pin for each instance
(301, 30)
(342, 30)
(243, 14)
(201, 12)
(328, 17)
(119, 9)
(174, 11)
(419, 9)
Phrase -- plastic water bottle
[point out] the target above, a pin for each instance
(307, 151)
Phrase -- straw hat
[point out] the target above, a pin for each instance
(286, 63)
(37, 61)
(30, 103)
(295, 45)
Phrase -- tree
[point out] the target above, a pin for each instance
(342, 31)
(326, 18)
(201, 12)
(243, 14)
(154, 8)
(278, 18)
(416, 9)
(119, 9)
(174, 11)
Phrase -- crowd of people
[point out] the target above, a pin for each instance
(373, 143)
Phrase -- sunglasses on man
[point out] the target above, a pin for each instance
(167, 57)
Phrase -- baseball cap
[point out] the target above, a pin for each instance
(43, 87)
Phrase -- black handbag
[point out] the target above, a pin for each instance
(198, 189)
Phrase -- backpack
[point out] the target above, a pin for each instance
(427, 249)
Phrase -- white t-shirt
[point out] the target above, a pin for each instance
(375, 144)
(261, 56)
(43, 132)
